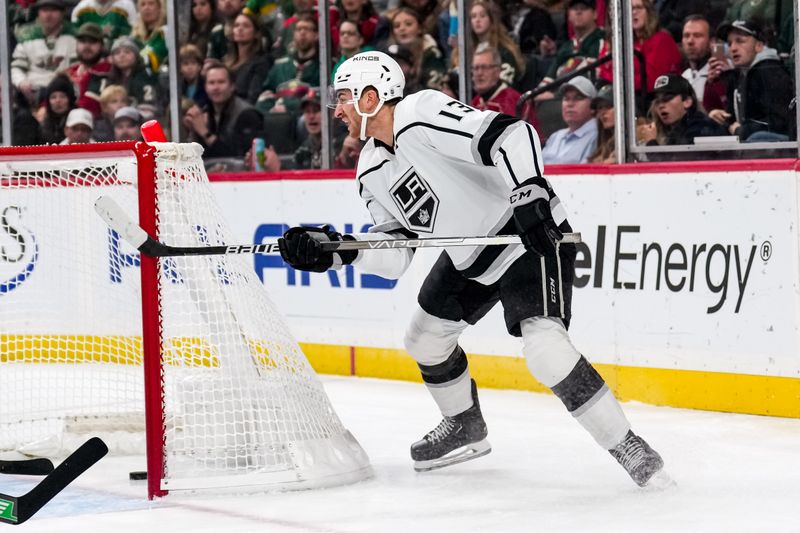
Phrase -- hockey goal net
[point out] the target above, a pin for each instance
(97, 340)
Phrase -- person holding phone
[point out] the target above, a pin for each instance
(701, 53)
(759, 90)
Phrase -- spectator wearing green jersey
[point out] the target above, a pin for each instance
(128, 70)
(301, 66)
(149, 32)
(46, 47)
(115, 17)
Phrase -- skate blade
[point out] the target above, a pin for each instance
(660, 481)
(459, 455)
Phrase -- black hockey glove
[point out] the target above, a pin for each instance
(536, 227)
(301, 248)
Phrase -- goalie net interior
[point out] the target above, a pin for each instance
(233, 401)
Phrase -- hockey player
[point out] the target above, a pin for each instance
(434, 166)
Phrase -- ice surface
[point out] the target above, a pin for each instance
(733, 473)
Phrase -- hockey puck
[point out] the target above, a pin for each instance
(137, 476)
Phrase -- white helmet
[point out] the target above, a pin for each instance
(370, 69)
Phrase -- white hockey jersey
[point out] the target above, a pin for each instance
(451, 173)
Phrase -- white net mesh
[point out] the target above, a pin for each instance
(242, 406)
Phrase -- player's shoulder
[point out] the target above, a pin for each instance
(374, 156)
(419, 106)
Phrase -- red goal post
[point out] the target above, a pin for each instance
(230, 401)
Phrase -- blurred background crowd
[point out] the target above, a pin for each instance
(719, 71)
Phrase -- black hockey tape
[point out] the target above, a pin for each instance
(450, 369)
(580, 385)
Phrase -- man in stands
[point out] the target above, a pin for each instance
(696, 43)
(78, 128)
(584, 46)
(678, 120)
(127, 121)
(759, 89)
(91, 62)
(578, 140)
(490, 91)
(227, 127)
(45, 48)
(301, 64)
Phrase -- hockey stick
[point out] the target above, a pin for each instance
(17, 509)
(28, 467)
(119, 221)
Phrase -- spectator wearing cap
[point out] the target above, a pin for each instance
(91, 62)
(428, 64)
(696, 44)
(115, 17)
(676, 115)
(582, 49)
(491, 92)
(759, 88)
(578, 140)
(309, 154)
(60, 100)
(127, 121)
(228, 125)
(78, 127)
(301, 64)
(351, 42)
(46, 47)
(128, 70)
(661, 53)
(603, 108)
(405, 58)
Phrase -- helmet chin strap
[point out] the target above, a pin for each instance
(365, 116)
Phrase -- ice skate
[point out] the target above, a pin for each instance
(456, 439)
(640, 461)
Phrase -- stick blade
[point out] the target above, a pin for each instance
(28, 467)
(77, 463)
(119, 221)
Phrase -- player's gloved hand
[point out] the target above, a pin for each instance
(301, 247)
(536, 227)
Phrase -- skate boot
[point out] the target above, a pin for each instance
(456, 439)
(637, 458)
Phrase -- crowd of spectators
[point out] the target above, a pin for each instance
(93, 70)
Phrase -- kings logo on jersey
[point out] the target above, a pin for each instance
(416, 200)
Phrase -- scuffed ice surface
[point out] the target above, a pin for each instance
(733, 473)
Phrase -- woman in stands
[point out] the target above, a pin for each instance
(603, 107)
(434, 19)
(351, 42)
(203, 20)
(362, 13)
(60, 101)
(661, 54)
(149, 33)
(247, 57)
(407, 31)
(486, 24)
